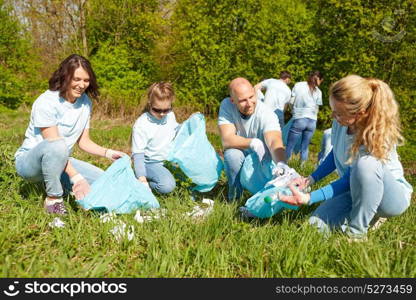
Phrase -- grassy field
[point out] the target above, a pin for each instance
(222, 245)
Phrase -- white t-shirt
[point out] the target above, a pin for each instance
(306, 104)
(341, 142)
(48, 110)
(154, 137)
(261, 121)
(277, 93)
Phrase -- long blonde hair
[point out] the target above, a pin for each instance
(378, 128)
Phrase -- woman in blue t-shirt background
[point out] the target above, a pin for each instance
(60, 118)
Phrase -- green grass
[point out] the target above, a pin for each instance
(222, 245)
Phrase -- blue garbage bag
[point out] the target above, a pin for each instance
(254, 174)
(118, 191)
(265, 203)
(194, 154)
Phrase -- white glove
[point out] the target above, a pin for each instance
(113, 154)
(80, 186)
(257, 146)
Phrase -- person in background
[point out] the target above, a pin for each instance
(60, 118)
(365, 134)
(277, 94)
(306, 99)
(245, 125)
(153, 133)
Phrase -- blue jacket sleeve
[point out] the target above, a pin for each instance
(139, 165)
(326, 168)
(331, 190)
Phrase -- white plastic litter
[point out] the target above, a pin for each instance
(56, 223)
(108, 217)
(202, 212)
(148, 216)
(121, 232)
(284, 175)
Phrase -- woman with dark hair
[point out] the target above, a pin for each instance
(306, 98)
(60, 118)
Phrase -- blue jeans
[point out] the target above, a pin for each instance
(47, 161)
(301, 128)
(160, 179)
(373, 192)
(281, 115)
(233, 162)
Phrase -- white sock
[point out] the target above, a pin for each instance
(49, 201)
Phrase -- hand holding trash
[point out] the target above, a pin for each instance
(258, 146)
(80, 186)
(113, 154)
(303, 182)
(298, 198)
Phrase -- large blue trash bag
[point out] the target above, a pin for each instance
(254, 175)
(194, 154)
(265, 203)
(118, 191)
(260, 208)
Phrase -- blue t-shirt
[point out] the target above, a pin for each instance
(254, 126)
(277, 93)
(341, 142)
(306, 104)
(48, 110)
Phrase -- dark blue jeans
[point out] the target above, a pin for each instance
(301, 128)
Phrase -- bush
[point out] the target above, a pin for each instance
(216, 41)
(18, 67)
(118, 79)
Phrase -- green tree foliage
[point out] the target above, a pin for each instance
(117, 75)
(121, 38)
(17, 67)
(215, 41)
(371, 39)
(201, 45)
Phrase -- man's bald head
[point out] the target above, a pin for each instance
(238, 84)
(243, 95)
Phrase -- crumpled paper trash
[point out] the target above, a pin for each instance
(121, 232)
(202, 211)
(57, 223)
(148, 216)
(108, 217)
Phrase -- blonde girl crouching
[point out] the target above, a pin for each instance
(365, 133)
(153, 133)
